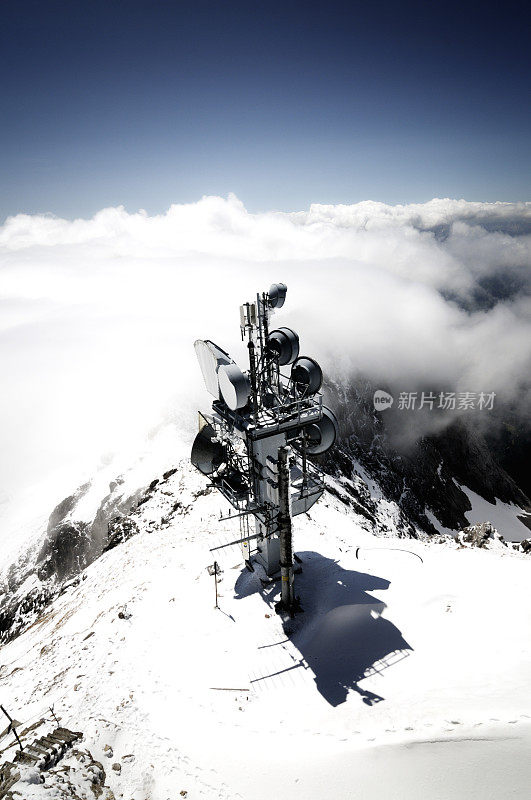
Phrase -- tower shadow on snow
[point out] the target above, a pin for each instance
(341, 635)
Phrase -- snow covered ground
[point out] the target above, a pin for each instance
(504, 516)
(407, 675)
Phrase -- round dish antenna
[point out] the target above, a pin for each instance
(234, 386)
(306, 375)
(283, 344)
(277, 295)
(320, 436)
(207, 455)
(210, 358)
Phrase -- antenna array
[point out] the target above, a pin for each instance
(264, 424)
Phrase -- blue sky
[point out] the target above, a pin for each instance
(285, 104)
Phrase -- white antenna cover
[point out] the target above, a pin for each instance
(210, 358)
(234, 386)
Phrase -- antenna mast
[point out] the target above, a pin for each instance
(254, 445)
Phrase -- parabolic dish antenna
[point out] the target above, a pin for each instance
(307, 375)
(277, 295)
(283, 344)
(210, 358)
(320, 436)
(207, 455)
(234, 386)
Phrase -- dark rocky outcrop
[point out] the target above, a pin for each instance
(481, 535)
(65, 507)
(67, 550)
(416, 470)
(69, 546)
(16, 612)
(119, 530)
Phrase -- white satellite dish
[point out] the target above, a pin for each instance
(210, 358)
(234, 386)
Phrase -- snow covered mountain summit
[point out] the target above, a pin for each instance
(410, 656)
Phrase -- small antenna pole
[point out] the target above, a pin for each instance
(265, 325)
(252, 375)
(216, 581)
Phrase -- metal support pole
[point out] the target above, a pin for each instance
(252, 373)
(304, 462)
(265, 325)
(216, 568)
(284, 520)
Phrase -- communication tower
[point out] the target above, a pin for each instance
(255, 443)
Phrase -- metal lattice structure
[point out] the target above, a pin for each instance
(264, 423)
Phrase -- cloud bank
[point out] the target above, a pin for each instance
(98, 316)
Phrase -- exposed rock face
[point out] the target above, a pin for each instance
(68, 547)
(113, 506)
(16, 612)
(510, 443)
(83, 768)
(65, 507)
(467, 456)
(482, 535)
(67, 550)
(119, 530)
(525, 545)
(416, 473)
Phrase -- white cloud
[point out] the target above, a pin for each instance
(98, 316)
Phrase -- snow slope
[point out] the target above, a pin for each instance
(506, 517)
(407, 675)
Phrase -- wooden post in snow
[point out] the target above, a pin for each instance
(12, 727)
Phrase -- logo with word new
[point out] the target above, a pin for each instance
(382, 400)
